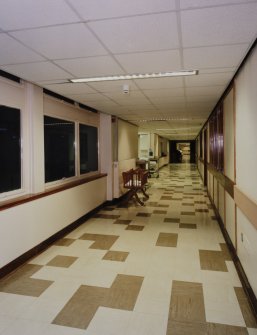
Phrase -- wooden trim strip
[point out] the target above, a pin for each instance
(222, 179)
(240, 270)
(247, 205)
(31, 197)
(13, 265)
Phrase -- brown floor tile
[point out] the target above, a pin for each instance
(221, 329)
(187, 302)
(118, 256)
(172, 220)
(123, 292)
(177, 199)
(65, 242)
(164, 197)
(19, 282)
(163, 206)
(144, 215)
(186, 328)
(246, 310)
(135, 227)
(202, 210)
(187, 213)
(107, 216)
(120, 221)
(62, 261)
(102, 242)
(187, 225)
(167, 240)
(156, 211)
(212, 260)
(187, 204)
(81, 308)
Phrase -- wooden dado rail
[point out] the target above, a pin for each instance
(247, 205)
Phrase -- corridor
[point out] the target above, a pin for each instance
(159, 269)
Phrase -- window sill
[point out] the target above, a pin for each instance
(31, 197)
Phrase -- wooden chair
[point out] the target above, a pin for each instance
(135, 181)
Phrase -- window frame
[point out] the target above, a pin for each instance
(19, 191)
(77, 175)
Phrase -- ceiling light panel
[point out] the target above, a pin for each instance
(136, 76)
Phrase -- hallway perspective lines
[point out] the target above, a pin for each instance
(161, 269)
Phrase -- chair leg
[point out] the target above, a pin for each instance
(144, 193)
(138, 200)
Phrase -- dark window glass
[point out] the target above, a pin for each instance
(216, 140)
(59, 137)
(88, 144)
(10, 150)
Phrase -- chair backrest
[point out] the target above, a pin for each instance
(134, 178)
(128, 178)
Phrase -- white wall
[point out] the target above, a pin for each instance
(240, 165)
(24, 226)
(246, 163)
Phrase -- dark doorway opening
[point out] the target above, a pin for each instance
(182, 151)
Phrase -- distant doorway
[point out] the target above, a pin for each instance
(182, 151)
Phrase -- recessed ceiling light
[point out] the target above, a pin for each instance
(136, 76)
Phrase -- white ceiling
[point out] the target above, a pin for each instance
(49, 42)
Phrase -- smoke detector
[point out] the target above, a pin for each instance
(125, 89)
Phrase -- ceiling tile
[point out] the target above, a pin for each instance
(119, 95)
(70, 88)
(91, 66)
(129, 34)
(12, 52)
(220, 25)
(110, 86)
(158, 61)
(89, 97)
(209, 79)
(62, 41)
(214, 57)
(214, 91)
(31, 13)
(185, 4)
(36, 71)
(92, 10)
(159, 83)
(174, 92)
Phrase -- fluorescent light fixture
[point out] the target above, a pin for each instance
(136, 76)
